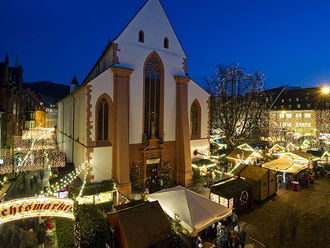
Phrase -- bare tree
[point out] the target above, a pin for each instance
(238, 107)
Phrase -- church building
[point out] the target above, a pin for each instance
(137, 105)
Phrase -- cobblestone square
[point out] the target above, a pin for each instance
(292, 219)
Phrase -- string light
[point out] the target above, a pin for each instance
(29, 152)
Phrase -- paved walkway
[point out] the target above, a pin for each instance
(292, 219)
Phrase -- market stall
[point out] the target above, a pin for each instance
(234, 193)
(261, 180)
(194, 211)
(286, 165)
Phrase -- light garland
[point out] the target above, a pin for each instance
(64, 182)
(29, 152)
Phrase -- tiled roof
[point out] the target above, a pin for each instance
(144, 225)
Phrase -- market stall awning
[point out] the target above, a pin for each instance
(195, 211)
(284, 165)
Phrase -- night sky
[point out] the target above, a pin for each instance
(287, 40)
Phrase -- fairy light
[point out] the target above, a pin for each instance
(29, 152)
(65, 181)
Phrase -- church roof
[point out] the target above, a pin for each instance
(147, 4)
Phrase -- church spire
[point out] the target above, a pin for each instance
(74, 80)
(74, 84)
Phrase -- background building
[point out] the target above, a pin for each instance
(299, 112)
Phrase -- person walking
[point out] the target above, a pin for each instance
(199, 242)
(234, 219)
(31, 183)
(241, 237)
(41, 234)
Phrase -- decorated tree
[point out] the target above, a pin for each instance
(166, 175)
(135, 177)
(237, 103)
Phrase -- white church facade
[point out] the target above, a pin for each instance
(137, 105)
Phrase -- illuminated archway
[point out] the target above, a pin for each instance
(36, 207)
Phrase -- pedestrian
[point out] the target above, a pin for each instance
(35, 179)
(199, 242)
(224, 238)
(213, 232)
(31, 183)
(219, 225)
(41, 234)
(234, 219)
(233, 239)
(42, 173)
(237, 228)
(241, 237)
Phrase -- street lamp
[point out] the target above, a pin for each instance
(325, 90)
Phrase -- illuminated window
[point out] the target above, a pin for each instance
(303, 124)
(297, 99)
(141, 36)
(288, 115)
(224, 201)
(282, 100)
(298, 106)
(308, 105)
(282, 116)
(214, 197)
(299, 115)
(307, 115)
(290, 106)
(289, 99)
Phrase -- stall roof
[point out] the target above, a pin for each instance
(305, 155)
(284, 165)
(253, 172)
(230, 188)
(194, 210)
(240, 154)
(144, 224)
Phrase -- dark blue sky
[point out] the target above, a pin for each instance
(287, 40)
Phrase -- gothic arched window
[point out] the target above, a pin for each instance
(141, 36)
(103, 119)
(152, 97)
(195, 120)
(166, 43)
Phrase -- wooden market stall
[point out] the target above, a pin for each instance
(261, 180)
(233, 193)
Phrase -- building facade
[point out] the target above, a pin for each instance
(17, 105)
(137, 106)
(299, 112)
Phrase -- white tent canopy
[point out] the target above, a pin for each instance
(284, 165)
(195, 211)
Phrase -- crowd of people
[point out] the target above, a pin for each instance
(226, 233)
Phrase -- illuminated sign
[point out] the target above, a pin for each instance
(96, 199)
(35, 207)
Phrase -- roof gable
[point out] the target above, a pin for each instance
(153, 21)
(144, 225)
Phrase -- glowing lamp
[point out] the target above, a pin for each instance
(325, 90)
